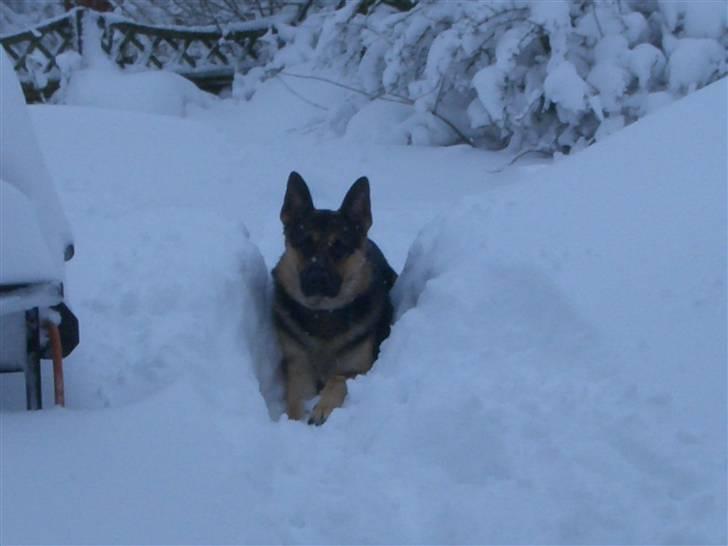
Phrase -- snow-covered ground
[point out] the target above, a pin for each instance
(556, 373)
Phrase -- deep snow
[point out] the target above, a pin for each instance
(556, 373)
(30, 204)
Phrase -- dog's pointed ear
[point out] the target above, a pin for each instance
(357, 205)
(298, 200)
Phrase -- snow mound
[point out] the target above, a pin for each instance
(569, 336)
(386, 122)
(204, 275)
(153, 92)
(169, 285)
(23, 167)
(694, 62)
(380, 122)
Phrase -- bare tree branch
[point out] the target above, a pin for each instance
(385, 97)
(297, 94)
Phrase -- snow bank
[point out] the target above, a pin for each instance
(567, 339)
(169, 285)
(192, 291)
(23, 167)
(153, 92)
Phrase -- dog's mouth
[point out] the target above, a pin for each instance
(318, 282)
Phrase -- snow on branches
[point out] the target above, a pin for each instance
(553, 75)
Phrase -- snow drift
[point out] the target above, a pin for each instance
(152, 92)
(580, 320)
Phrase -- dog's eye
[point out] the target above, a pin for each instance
(296, 236)
(302, 241)
(338, 250)
(308, 245)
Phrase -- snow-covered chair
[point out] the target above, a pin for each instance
(35, 241)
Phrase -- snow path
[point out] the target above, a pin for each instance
(160, 201)
(167, 440)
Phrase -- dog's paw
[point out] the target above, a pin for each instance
(295, 414)
(319, 415)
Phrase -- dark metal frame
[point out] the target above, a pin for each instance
(30, 298)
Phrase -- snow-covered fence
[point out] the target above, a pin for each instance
(209, 56)
(33, 52)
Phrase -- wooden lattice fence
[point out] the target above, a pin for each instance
(209, 56)
(34, 52)
(206, 55)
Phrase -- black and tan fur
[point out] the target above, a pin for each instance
(332, 308)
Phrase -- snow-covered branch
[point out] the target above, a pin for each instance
(551, 75)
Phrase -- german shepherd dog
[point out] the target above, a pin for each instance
(331, 307)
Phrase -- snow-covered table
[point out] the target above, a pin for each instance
(35, 240)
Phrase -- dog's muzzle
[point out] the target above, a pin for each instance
(318, 280)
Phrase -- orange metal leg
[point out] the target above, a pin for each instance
(57, 352)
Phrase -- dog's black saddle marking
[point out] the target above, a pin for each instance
(383, 272)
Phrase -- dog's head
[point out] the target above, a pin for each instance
(325, 249)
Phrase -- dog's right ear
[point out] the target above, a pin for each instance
(297, 202)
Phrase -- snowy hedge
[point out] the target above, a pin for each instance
(552, 75)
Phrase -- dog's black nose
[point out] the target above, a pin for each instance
(317, 280)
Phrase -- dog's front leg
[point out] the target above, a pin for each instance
(300, 386)
(332, 397)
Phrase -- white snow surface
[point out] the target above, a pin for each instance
(23, 168)
(693, 62)
(701, 18)
(153, 92)
(556, 373)
(24, 255)
(564, 86)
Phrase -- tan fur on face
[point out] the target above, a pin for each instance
(355, 277)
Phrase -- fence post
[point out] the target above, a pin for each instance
(80, 12)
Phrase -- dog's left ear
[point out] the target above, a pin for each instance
(297, 202)
(357, 206)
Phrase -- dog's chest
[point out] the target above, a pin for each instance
(325, 325)
(327, 360)
(328, 337)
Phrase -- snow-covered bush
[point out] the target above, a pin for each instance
(553, 75)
